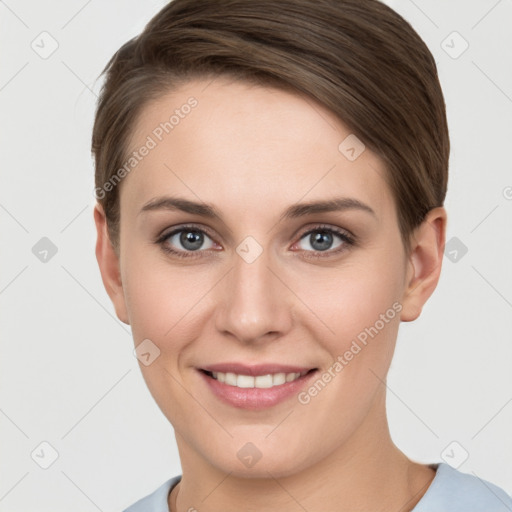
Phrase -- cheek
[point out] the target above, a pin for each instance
(360, 312)
(348, 300)
(162, 303)
(359, 309)
(166, 305)
(160, 297)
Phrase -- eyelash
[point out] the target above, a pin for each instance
(347, 239)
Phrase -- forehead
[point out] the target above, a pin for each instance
(245, 147)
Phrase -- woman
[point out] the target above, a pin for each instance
(270, 180)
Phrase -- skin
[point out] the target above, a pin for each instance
(253, 151)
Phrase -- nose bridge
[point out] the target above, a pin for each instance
(253, 302)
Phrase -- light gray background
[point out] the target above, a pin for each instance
(68, 375)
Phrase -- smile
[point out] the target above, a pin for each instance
(255, 387)
(261, 381)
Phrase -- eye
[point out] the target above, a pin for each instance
(322, 239)
(188, 239)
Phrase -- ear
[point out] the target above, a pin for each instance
(424, 263)
(108, 262)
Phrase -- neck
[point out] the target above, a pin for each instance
(368, 472)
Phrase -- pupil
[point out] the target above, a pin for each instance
(322, 240)
(191, 240)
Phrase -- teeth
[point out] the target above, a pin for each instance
(279, 378)
(261, 381)
(290, 377)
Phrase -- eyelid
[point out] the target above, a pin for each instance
(182, 227)
(328, 227)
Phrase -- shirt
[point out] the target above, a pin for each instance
(450, 491)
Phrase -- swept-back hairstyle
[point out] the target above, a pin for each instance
(358, 58)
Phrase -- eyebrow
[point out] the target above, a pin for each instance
(292, 212)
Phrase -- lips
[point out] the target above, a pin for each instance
(255, 386)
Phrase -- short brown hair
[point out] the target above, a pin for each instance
(358, 58)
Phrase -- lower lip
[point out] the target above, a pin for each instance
(256, 398)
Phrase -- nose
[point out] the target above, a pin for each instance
(254, 303)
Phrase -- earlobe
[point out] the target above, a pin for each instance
(108, 262)
(424, 263)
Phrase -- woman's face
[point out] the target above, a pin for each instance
(254, 287)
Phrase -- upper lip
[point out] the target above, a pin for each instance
(256, 369)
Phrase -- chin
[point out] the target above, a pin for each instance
(257, 461)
